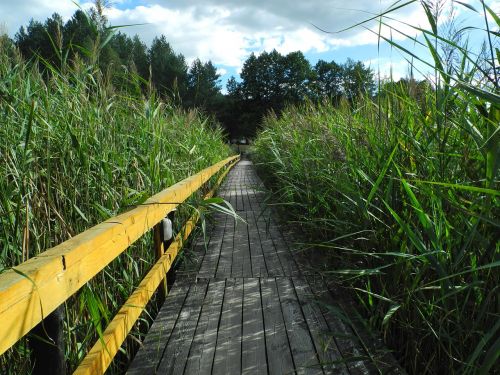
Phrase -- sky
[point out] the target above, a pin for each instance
(227, 31)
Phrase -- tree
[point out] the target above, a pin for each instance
(269, 82)
(297, 74)
(357, 79)
(328, 80)
(169, 70)
(79, 35)
(140, 57)
(203, 84)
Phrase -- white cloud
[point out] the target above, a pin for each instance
(221, 71)
(386, 68)
(14, 14)
(227, 31)
(190, 31)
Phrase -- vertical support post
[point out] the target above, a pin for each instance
(48, 344)
(158, 249)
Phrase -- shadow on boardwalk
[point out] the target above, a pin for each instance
(243, 304)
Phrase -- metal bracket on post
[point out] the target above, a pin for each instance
(48, 344)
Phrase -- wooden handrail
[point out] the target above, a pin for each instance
(102, 353)
(35, 288)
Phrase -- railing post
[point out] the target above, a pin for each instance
(47, 344)
(158, 249)
(160, 244)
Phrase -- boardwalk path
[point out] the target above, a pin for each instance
(246, 306)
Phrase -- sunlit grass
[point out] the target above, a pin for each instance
(402, 193)
(76, 151)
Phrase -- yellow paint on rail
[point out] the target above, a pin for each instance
(35, 288)
(102, 353)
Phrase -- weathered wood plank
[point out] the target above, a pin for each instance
(240, 247)
(278, 351)
(352, 352)
(225, 260)
(176, 352)
(301, 344)
(285, 256)
(258, 264)
(329, 355)
(262, 240)
(228, 350)
(148, 357)
(253, 342)
(247, 265)
(202, 352)
(208, 267)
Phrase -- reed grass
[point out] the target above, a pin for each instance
(401, 194)
(76, 151)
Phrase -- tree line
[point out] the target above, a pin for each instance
(268, 81)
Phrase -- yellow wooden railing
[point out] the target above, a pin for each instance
(35, 288)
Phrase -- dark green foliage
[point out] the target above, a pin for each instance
(42, 40)
(270, 81)
(357, 80)
(168, 69)
(203, 85)
(79, 35)
(328, 80)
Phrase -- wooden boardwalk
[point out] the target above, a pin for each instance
(242, 304)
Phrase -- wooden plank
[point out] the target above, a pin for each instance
(148, 357)
(228, 350)
(303, 350)
(209, 264)
(246, 256)
(35, 288)
(271, 260)
(380, 358)
(225, 259)
(269, 230)
(290, 268)
(326, 347)
(279, 356)
(176, 352)
(258, 262)
(353, 354)
(240, 248)
(202, 352)
(259, 268)
(253, 343)
(199, 254)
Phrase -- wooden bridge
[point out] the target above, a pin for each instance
(242, 301)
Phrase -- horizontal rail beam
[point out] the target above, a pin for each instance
(102, 353)
(35, 288)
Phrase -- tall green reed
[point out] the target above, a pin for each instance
(75, 151)
(402, 193)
